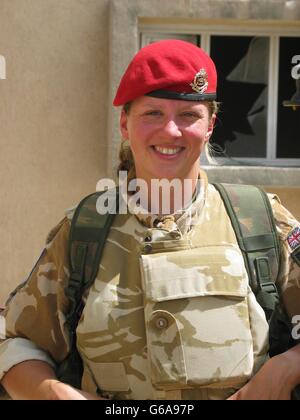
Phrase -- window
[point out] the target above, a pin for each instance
(288, 126)
(254, 69)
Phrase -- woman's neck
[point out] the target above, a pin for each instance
(168, 196)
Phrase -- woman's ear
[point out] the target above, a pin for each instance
(123, 125)
(211, 126)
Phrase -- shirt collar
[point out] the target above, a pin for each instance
(182, 220)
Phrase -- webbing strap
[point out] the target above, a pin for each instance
(252, 219)
(77, 275)
(88, 233)
(89, 230)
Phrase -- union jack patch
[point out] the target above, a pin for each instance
(294, 238)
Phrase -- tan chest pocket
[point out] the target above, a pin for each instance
(197, 318)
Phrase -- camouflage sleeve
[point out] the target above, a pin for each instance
(289, 277)
(32, 325)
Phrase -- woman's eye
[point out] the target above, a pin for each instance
(154, 113)
(190, 115)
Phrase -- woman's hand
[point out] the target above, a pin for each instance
(275, 380)
(36, 380)
(60, 391)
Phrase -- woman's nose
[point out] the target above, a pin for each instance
(172, 129)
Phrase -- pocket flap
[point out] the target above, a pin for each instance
(209, 271)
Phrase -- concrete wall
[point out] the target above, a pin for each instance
(53, 117)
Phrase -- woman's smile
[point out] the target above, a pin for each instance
(167, 152)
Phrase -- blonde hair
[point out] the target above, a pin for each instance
(125, 154)
(126, 161)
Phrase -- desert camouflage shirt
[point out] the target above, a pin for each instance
(170, 314)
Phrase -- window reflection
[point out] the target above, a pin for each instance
(243, 91)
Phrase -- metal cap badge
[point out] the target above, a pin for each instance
(200, 83)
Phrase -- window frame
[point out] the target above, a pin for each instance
(274, 32)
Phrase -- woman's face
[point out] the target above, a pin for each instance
(166, 136)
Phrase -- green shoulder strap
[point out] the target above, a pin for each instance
(251, 215)
(88, 233)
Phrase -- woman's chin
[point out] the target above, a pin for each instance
(170, 176)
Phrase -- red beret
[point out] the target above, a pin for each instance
(169, 69)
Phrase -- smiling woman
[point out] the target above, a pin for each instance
(166, 136)
(151, 113)
(167, 121)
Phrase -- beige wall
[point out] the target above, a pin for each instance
(53, 116)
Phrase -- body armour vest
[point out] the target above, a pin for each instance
(169, 317)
